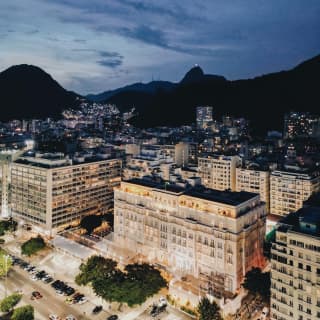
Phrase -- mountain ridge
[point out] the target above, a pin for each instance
(27, 91)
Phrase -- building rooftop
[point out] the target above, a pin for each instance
(56, 160)
(305, 221)
(225, 197)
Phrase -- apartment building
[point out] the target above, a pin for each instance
(295, 267)
(148, 163)
(288, 190)
(255, 181)
(51, 190)
(213, 236)
(179, 152)
(218, 171)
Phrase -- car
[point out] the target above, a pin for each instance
(54, 317)
(47, 279)
(97, 309)
(113, 317)
(70, 317)
(34, 277)
(82, 300)
(36, 295)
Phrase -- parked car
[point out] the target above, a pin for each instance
(97, 309)
(36, 295)
(113, 317)
(54, 317)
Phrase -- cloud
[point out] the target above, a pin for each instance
(80, 40)
(110, 59)
(111, 63)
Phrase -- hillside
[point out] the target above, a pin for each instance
(263, 100)
(27, 91)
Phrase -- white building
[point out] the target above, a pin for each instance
(256, 181)
(288, 190)
(218, 171)
(213, 236)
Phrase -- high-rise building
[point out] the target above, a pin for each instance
(301, 124)
(51, 190)
(214, 236)
(219, 171)
(288, 190)
(204, 117)
(295, 267)
(255, 181)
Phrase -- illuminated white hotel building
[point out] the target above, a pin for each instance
(213, 236)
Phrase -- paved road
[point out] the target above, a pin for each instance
(19, 279)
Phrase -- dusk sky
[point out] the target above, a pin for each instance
(96, 45)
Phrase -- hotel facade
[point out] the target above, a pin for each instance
(53, 191)
(213, 236)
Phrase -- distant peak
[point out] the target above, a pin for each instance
(193, 75)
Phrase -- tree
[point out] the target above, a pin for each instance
(23, 313)
(5, 263)
(91, 222)
(132, 286)
(95, 267)
(258, 282)
(7, 225)
(33, 245)
(9, 302)
(208, 310)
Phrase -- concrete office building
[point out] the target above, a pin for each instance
(219, 171)
(213, 236)
(51, 190)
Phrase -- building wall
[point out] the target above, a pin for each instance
(254, 181)
(289, 190)
(57, 196)
(219, 172)
(295, 277)
(190, 236)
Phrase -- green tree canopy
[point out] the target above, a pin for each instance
(132, 286)
(5, 263)
(95, 267)
(23, 313)
(258, 282)
(7, 225)
(208, 310)
(91, 222)
(9, 302)
(33, 245)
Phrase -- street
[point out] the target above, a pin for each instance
(19, 279)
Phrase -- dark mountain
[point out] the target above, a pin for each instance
(27, 91)
(196, 75)
(263, 100)
(151, 87)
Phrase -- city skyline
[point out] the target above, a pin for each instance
(97, 46)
